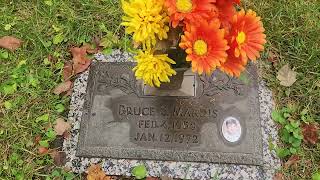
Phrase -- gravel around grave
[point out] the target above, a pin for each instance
(183, 170)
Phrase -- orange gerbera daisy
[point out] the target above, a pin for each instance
(189, 10)
(247, 36)
(205, 46)
(234, 65)
(226, 10)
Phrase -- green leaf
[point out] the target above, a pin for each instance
(4, 55)
(295, 124)
(14, 157)
(55, 173)
(44, 118)
(68, 175)
(282, 152)
(291, 139)
(304, 112)
(276, 116)
(46, 61)
(22, 63)
(107, 51)
(316, 176)
(296, 142)
(8, 105)
(286, 115)
(56, 28)
(84, 39)
(59, 65)
(289, 127)
(44, 143)
(60, 108)
(7, 27)
(47, 44)
(139, 172)
(297, 134)
(103, 28)
(109, 40)
(57, 39)
(293, 150)
(51, 134)
(33, 81)
(48, 2)
(285, 135)
(10, 88)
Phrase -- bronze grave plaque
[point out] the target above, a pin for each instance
(209, 119)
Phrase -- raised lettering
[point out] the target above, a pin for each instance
(151, 137)
(129, 111)
(137, 110)
(122, 109)
(140, 123)
(145, 111)
(147, 124)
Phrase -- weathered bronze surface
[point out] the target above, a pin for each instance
(121, 119)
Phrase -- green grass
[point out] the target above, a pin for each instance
(293, 30)
(292, 27)
(33, 22)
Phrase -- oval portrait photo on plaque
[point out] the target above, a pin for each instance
(231, 129)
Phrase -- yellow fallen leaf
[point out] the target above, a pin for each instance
(95, 172)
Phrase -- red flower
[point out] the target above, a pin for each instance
(205, 46)
(226, 10)
(189, 10)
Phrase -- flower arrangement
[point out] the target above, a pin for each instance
(203, 34)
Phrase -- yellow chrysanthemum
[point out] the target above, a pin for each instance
(153, 69)
(147, 20)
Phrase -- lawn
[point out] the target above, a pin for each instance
(28, 108)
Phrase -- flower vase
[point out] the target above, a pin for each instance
(175, 81)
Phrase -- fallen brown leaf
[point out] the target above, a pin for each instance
(310, 133)
(67, 71)
(50, 58)
(166, 178)
(286, 76)
(59, 157)
(278, 176)
(10, 43)
(66, 134)
(37, 139)
(80, 60)
(95, 172)
(61, 126)
(69, 93)
(42, 150)
(79, 68)
(152, 178)
(63, 87)
(294, 159)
